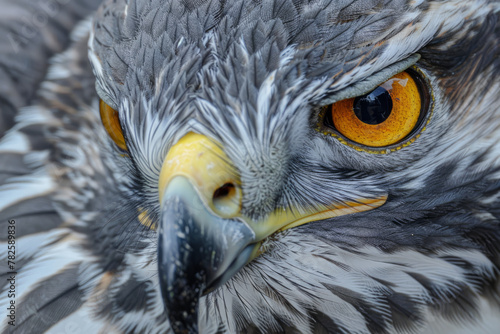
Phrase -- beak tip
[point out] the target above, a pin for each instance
(181, 304)
(187, 323)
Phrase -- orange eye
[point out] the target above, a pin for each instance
(382, 117)
(111, 122)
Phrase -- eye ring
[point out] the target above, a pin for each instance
(111, 121)
(327, 126)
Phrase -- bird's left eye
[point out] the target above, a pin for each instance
(111, 122)
(383, 117)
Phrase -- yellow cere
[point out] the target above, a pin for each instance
(406, 105)
(111, 122)
(207, 167)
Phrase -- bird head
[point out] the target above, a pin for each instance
(306, 155)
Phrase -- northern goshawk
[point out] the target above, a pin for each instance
(250, 166)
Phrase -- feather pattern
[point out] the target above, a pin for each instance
(253, 75)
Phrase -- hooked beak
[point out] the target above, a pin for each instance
(197, 251)
(204, 238)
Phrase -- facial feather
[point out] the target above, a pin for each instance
(430, 253)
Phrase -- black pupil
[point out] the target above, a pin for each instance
(373, 108)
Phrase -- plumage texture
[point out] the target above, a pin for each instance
(252, 75)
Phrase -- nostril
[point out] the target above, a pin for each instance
(224, 191)
(226, 200)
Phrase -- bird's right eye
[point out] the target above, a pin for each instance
(111, 122)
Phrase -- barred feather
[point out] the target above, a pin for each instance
(253, 75)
